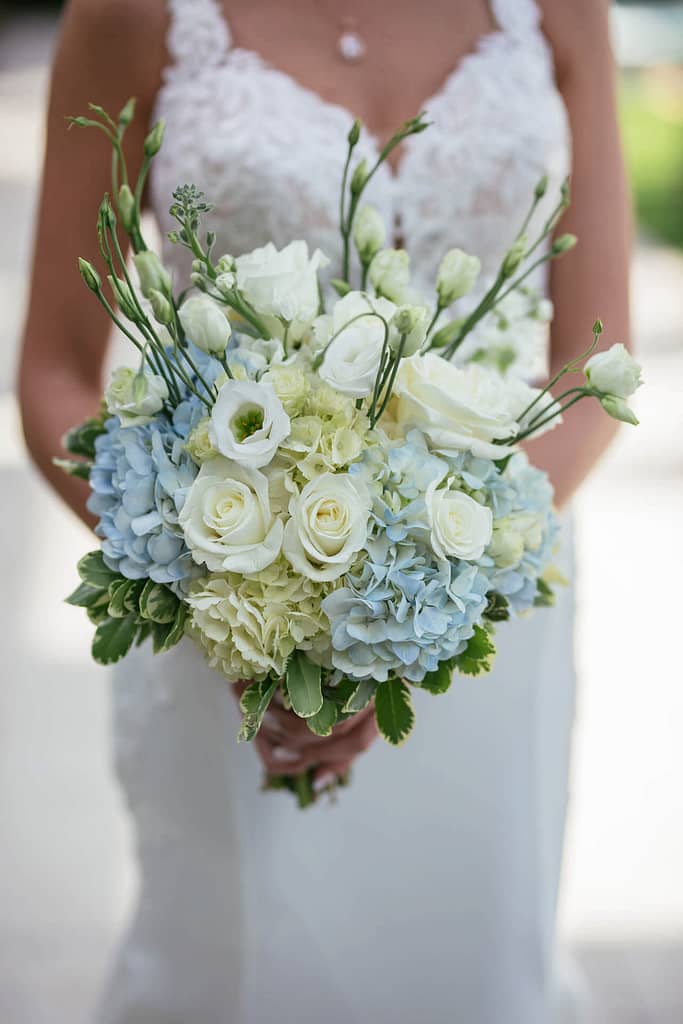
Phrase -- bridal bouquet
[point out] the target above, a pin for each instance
(307, 484)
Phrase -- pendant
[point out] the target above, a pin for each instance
(350, 46)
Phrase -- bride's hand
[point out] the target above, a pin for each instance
(286, 745)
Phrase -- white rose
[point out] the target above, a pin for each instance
(281, 283)
(457, 275)
(460, 408)
(328, 526)
(205, 323)
(135, 396)
(351, 362)
(460, 526)
(368, 232)
(390, 274)
(614, 372)
(248, 422)
(227, 518)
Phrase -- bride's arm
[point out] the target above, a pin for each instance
(592, 280)
(107, 50)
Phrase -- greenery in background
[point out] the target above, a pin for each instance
(652, 131)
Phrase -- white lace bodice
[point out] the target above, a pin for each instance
(268, 152)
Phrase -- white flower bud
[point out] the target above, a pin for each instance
(152, 273)
(410, 323)
(161, 307)
(225, 282)
(368, 233)
(514, 256)
(135, 397)
(390, 273)
(614, 372)
(458, 272)
(205, 323)
(225, 264)
(618, 409)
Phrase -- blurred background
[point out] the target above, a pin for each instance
(65, 874)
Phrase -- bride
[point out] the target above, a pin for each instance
(428, 891)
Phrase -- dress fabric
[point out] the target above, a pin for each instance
(427, 892)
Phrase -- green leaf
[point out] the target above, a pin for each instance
(167, 634)
(323, 723)
(303, 685)
(394, 711)
(545, 595)
(254, 704)
(123, 598)
(74, 467)
(341, 692)
(113, 639)
(99, 611)
(478, 655)
(84, 596)
(80, 440)
(440, 679)
(498, 608)
(158, 602)
(362, 695)
(93, 570)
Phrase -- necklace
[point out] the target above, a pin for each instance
(350, 43)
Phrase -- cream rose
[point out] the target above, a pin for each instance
(460, 526)
(205, 323)
(351, 362)
(614, 372)
(135, 396)
(281, 283)
(327, 527)
(460, 408)
(227, 519)
(248, 422)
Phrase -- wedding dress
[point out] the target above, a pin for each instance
(428, 891)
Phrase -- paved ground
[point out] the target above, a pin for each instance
(65, 879)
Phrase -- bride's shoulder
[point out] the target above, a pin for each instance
(577, 31)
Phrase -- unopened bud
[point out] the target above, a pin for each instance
(563, 244)
(515, 256)
(173, 237)
(410, 324)
(161, 307)
(89, 275)
(225, 283)
(618, 409)
(127, 113)
(457, 275)
(107, 215)
(154, 140)
(368, 233)
(225, 264)
(152, 273)
(124, 297)
(359, 177)
(541, 188)
(354, 133)
(126, 207)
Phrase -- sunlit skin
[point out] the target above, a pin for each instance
(111, 49)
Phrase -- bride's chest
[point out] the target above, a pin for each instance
(269, 154)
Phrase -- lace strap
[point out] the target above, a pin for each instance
(518, 17)
(198, 33)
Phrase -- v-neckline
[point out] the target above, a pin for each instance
(394, 172)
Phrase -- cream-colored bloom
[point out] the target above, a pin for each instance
(327, 526)
(390, 274)
(283, 283)
(291, 385)
(199, 443)
(460, 526)
(249, 627)
(227, 519)
(457, 275)
(514, 534)
(135, 396)
(460, 409)
(614, 372)
(355, 342)
(248, 422)
(205, 323)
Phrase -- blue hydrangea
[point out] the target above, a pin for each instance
(402, 611)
